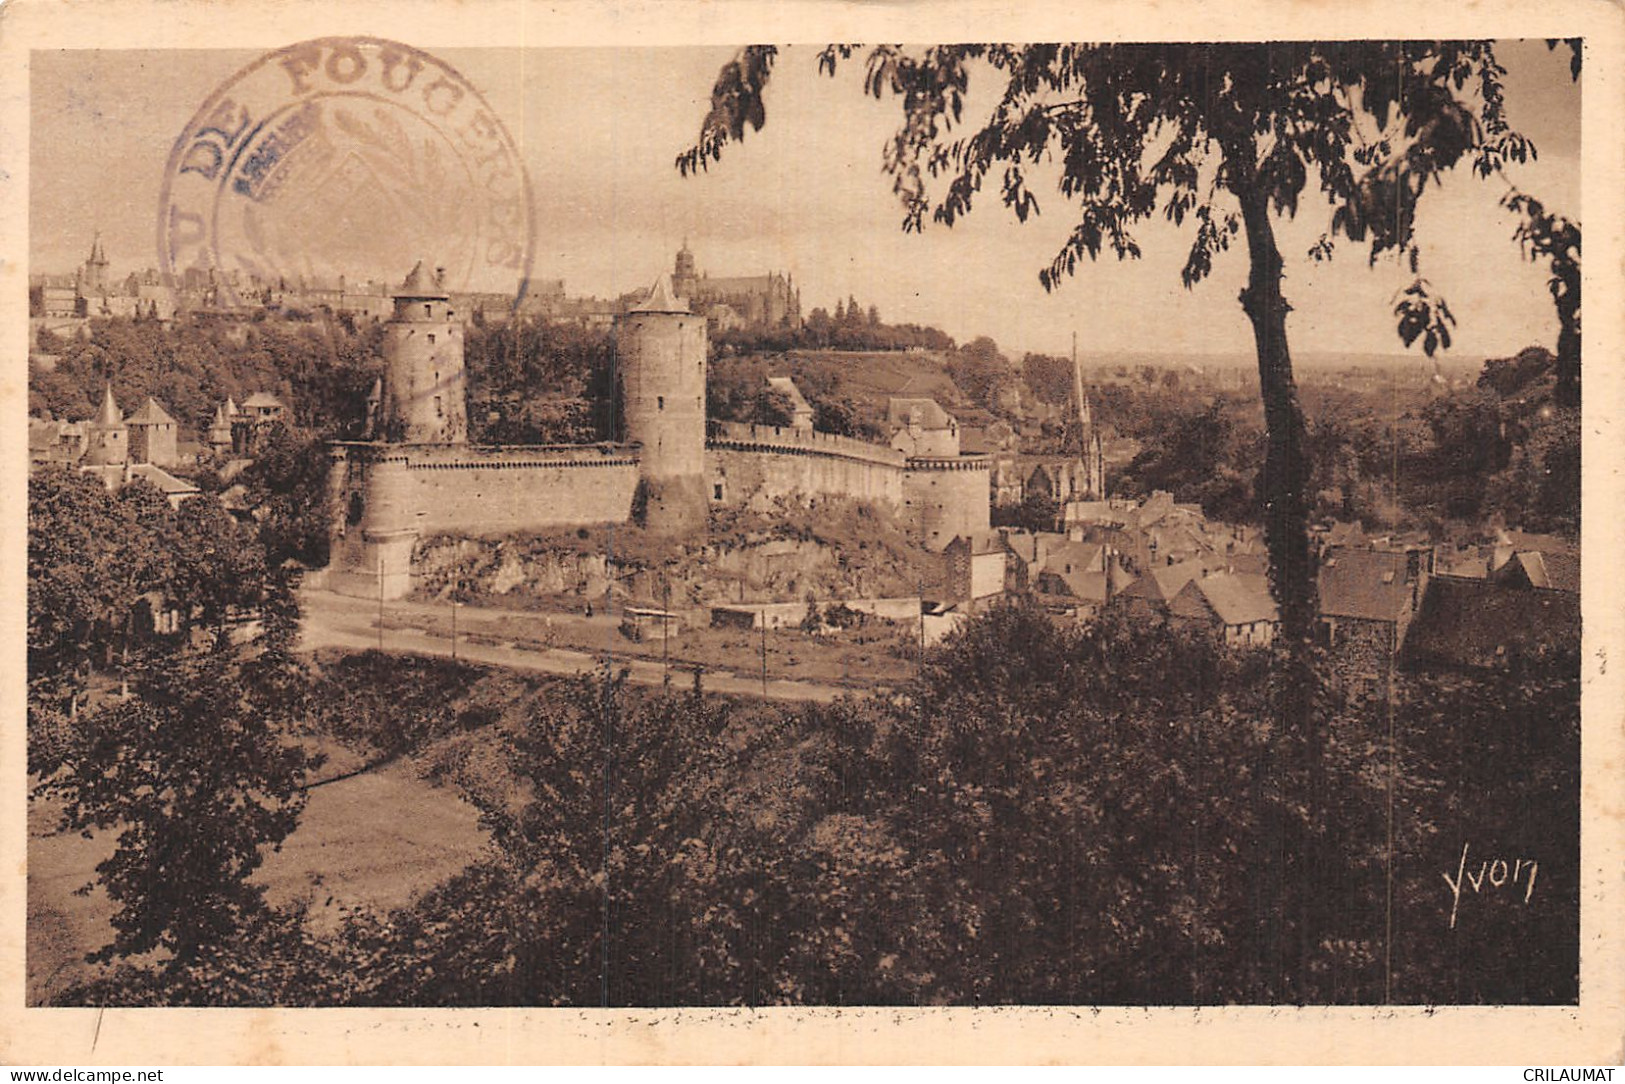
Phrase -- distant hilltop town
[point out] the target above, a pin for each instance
(749, 302)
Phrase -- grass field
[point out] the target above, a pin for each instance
(377, 839)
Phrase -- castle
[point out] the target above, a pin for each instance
(417, 475)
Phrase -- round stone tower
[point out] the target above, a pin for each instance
(107, 438)
(387, 525)
(660, 349)
(424, 400)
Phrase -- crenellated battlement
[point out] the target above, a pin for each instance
(964, 461)
(494, 456)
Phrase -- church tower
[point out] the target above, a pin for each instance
(424, 400)
(660, 349)
(1090, 484)
(93, 278)
(684, 278)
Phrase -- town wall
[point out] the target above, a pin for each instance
(751, 464)
(390, 496)
(493, 490)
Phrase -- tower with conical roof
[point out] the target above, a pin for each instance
(107, 438)
(424, 390)
(660, 349)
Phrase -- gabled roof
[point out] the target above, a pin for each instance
(1162, 582)
(979, 543)
(1552, 571)
(1480, 623)
(1081, 556)
(1156, 506)
(262, 399)
(926, 413)
(1094, 512)
(1365, 584)
(1469, 566)
(44, 435)
(167, 483)
(1235, 598)
(1541, 543)
(150, 413)
(662, 298)
(973, 438)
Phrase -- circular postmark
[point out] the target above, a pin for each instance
(343, 156)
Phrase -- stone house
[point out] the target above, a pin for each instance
(978, 567)
(1368, 599)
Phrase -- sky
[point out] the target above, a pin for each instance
(599, 129)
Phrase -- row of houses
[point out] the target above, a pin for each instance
(1383, 601)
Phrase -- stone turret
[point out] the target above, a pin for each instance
(152, 435)
(423, 350)
(220, 428)
(107, 438)
(660, 348)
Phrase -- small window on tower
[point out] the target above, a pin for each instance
(716, 491)
(439, 411)
(660, 402)
(431, 338)
(428, 309)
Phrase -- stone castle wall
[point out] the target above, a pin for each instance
(482, 490)
(752, 465)
(388, 497)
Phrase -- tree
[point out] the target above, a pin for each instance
(1048, 377)
(1545, 235)
(90, 557)
(287, 487)
(1226, 136)
(198, 775)
(980, 370)
(218, 564)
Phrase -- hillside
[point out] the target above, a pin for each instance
(849, 389)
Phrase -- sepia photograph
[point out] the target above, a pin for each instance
(741, 526)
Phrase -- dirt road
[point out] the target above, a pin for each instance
(337, 621)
